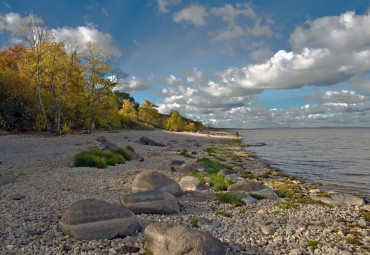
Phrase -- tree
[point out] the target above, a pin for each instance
(127, 112)
(148, 112)
(175, 122)
(98, 72)
(190, 127)
(35, 33)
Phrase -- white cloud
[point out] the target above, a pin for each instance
(9, 22)
(228, 13)
(163, 4)
(7, 5)
(261, 55)
(343, 96)
(133, 84)
(173, 80)
(193, 14)
(84, 34)
(105, 12)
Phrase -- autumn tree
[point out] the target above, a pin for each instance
(148, 112)
(127, 112)
(190, 127)
(175, 122)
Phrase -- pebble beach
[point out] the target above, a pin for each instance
(38, 183)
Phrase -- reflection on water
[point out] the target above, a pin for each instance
(339, 157)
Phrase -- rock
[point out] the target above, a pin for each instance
(201, 166)
(170, 239)
(190, 183)
(362, 223)
(135, 156)
(105, 143)
(226, 172)
(154, 180)
(147, 141)
(268, 230)
(256, 144)
(6, 180)
(249, 199)
(177, 162)
(19, 197)
(186, 168)
(151, 201)
(244, 188)
(96, 219)
(340, 198)
(237, 169)
(215, 225)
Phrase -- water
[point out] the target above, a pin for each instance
(338, 158)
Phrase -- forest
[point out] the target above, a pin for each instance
(60, 87)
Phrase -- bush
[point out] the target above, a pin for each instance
(229, 198)
(130, 148)
(101, 159)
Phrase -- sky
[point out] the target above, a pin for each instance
(231, 64)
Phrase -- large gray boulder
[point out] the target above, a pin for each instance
(187, 168)
(147, 141)
(105, 143)
(96, 219)
(151, 201)
(201, 166)
(190, 183)
(154, 180)
(170, 239)
(244, 188)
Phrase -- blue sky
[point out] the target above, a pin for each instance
(247, 64)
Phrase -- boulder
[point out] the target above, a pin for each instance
(226, 172)
(151, 201)
(190, 183)
(105, 143)
(237, 169)
(154, 180)
(177, 162)
(96, 219)
(245, 188)
(256, 144)
(201, 166)
(147, 141)
(340, 198)
(135, 156)
(170, 239)
(187, 168)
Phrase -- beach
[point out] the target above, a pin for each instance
(39, 171)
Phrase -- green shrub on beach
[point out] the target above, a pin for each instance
(217, 181)
(130, 148)
(101, 159)
(213, 164)
(229, 198)
(314, 244)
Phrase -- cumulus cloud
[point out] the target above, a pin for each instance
(173, 80)
(133, 84)
(261, 55)
(193, 14)
(89, 33)
(163, 4)
(343, 96)
(9, 22)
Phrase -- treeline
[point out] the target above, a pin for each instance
(57, 87)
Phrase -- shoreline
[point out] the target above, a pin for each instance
(42, 169)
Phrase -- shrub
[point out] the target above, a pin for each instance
(229, 198)
(101, 159)
(223, 213)
(194, 222)
(314, 244)
(130, 148)
(186, 154)
(218, 182)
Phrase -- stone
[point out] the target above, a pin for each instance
(201, 166)
(154, 180)
(362, 223)
(187, 168)
(244, 188)
(171, 239)
(237, 169)
(177, 162)
(147, 141)
(135, 156)
(256, 144)
(19, 197)
(340, 198)
(190, 183)
(226, 172)
(96, 219)
(151, 201)
(105, 143)
(248, 199)
(268, 230)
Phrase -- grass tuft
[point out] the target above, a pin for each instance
(186, 154)
(130, 148)
(101, 159)
(223, 213)
(314, 244)
(229, 198)
(256, 196)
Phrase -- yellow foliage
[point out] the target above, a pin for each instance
(66, 129)
(127, 112)
(190, 127)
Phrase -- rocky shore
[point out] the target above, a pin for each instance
(38, 184)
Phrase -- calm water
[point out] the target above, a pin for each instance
(339, 158)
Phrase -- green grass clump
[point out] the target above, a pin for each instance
(229, 198)
(287, 188)
(218, 182)
(314, 244)
(130, 148)
(256, 196)
(101, 159)
(248, 175)
(265, 174)
(223, 213)
(352, 241)
(279, 193)
(194, 222)
(286, 205)
(210, 150)
(214, 165)
(173, 169)
(147, 252)
(365, 214)
(186, 154)
(243, 210)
